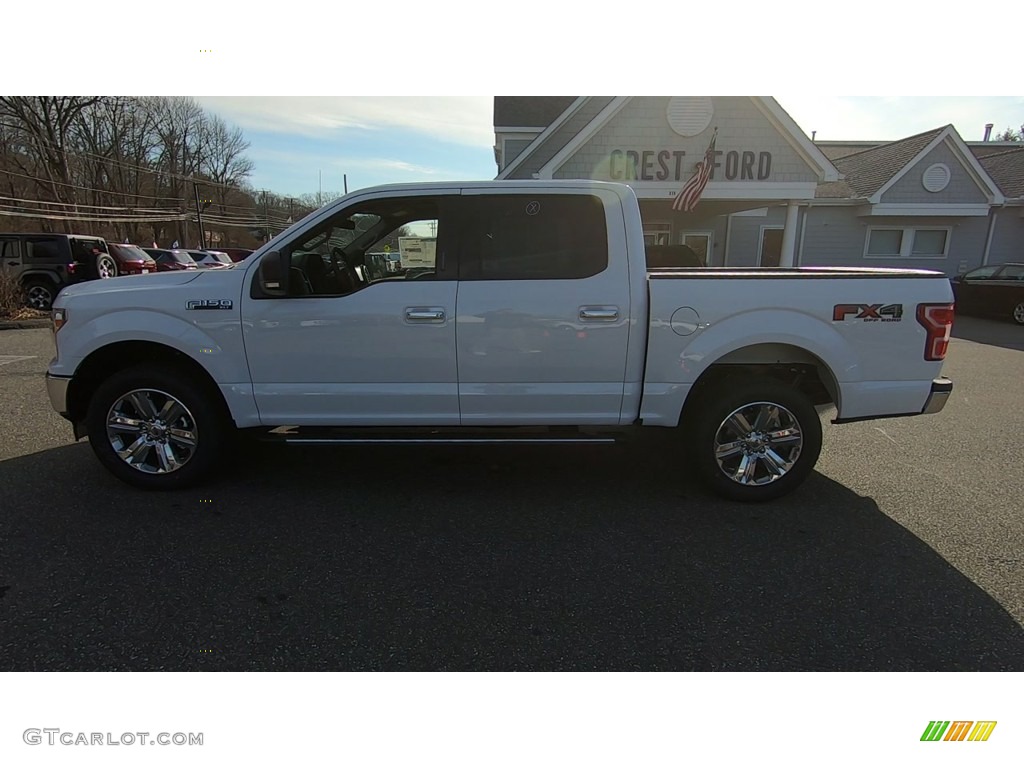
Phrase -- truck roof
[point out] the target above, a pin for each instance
(494, 184)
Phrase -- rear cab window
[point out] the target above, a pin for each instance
(542, 237)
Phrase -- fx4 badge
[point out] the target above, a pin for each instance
(869, 313)
(209, 304)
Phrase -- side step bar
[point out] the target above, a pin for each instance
(370, 436)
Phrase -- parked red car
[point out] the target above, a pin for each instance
(131, 260)
(171, 260)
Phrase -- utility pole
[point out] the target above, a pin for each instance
(199, 215)
(345, 177)
(320, 194)
(266, 214)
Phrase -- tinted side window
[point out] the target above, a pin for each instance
(44, 249)
(8, 250)
(534, 237)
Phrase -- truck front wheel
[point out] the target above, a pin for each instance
(756, 440)
(156, 428)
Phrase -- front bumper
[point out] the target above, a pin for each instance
(57, 389)
(941, 390)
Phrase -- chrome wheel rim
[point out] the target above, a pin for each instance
(39, 297)
(1018, 313)
(105, 267)
(152, 431)
(758, 443)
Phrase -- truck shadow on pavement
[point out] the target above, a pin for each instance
(996, 333)
(460, 559)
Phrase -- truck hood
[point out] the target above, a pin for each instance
(134, 284)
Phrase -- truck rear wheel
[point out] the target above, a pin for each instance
(755, 440)
(155, 428)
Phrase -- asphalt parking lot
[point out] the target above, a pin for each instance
(904, 551)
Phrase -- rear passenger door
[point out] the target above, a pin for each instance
(10, 255)
(543, 308)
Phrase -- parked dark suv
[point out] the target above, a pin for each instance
(44, 263)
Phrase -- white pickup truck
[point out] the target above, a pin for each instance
(538, 321)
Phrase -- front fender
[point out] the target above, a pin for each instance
(214, 344)
(213, 341)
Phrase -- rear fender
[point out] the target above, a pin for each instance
(675, 363)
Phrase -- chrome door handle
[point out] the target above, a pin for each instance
(607, 314)
(425, 315)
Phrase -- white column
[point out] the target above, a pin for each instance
(789, 236)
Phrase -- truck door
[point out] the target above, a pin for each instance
(10, 254)
(357, 341)
(543, 307)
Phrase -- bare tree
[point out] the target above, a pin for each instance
(1011, 135)
(42, 129)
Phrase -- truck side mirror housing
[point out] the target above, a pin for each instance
(272, 275)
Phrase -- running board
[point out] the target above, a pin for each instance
(321, 436)
(447, 440)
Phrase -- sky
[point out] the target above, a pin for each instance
(381, 140)
(838, 63)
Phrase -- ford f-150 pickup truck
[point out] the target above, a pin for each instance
(525, 312)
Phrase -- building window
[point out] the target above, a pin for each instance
(885, 242)
(907, 242)
(929, 242)
(699, 242)
(657, 233)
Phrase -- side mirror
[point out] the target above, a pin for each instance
(272, 275)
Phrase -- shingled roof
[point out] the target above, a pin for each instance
(1007, 170)
(867, 171)
(837, 150)
(529, 111)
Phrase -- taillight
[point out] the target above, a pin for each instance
(71, 268)
(937, 320)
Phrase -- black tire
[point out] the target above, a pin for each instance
(40, 293)
(754, 396)
(106, 266)
(204, 418)
(1017, 313)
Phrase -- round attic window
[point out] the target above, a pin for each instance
(689, 115)
(936, 177)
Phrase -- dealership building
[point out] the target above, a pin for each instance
(775, 197)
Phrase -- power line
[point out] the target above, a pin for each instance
(92, 189)
(105, 220)
(84, 205)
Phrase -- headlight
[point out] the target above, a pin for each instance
(59, 316)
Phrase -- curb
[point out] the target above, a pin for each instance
(11, 325)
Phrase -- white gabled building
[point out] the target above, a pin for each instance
(775, 197)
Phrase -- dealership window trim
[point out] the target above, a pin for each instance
(907, 243)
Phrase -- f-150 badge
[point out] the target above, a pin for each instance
(210, 304)
(886, 313)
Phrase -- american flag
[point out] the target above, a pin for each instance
(689, 195)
